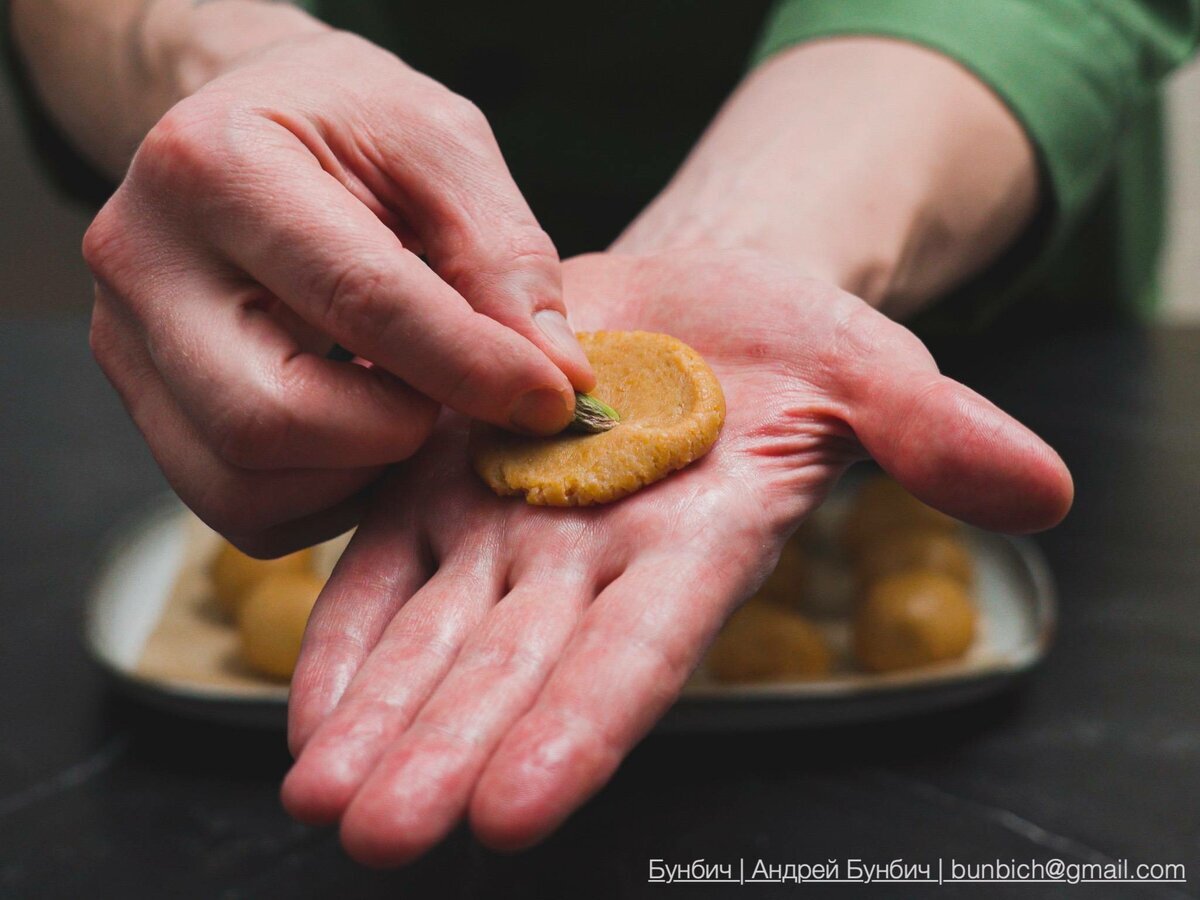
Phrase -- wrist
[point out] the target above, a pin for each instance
(806, 239)
(184, 44)
(880, 166)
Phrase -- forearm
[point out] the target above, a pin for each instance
(878, 165)
(107, 71)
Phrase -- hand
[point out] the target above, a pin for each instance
(473, 655)
(281, 208)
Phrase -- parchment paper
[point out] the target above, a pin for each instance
(195, 643)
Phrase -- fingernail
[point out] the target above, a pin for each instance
(542, 411)
(554, 325)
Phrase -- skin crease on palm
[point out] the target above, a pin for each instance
(475, 656)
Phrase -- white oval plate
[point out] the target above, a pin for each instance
(1013, 589)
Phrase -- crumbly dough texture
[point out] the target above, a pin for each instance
(671, 408)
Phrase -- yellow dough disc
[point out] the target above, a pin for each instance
(913, 619)
(234, 574)
(272, 620)
(671, 409)
(762, 642)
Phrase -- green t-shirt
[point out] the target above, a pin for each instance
(595, 106)
(1084, 78)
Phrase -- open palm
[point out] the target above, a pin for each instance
(473, 655)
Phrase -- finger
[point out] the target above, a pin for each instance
(481, 236)
(945, 443)
(413, 654)
(330, 258)
(262, 512)
(377, 574)
(260, 400)
(420, 786)
(303, 531)
(622, 669)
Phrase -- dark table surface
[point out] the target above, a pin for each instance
(1095, 758)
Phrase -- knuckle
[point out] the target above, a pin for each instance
(852, 342)
(527, 248)
(349, 45)
(125, 254)
(250, 436)
(188, 146)
(530, 244)
(457, 116)
(353, 307)
(102, 240)
(421, 419)
(472, 380)
(865, 346)
(518, 270)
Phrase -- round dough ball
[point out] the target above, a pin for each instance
(882, 505)
(763, 642)
(671, 409)
(272, 619)
(913, 619)
(902, 551)
(234, 573)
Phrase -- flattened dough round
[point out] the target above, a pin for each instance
(671, 408)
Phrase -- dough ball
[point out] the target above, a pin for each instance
(272, 619)
(882, 505)
(901, 551)
(234, 573)
(762, 642)
(671, 409)
(913, 619)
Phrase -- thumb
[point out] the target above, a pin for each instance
(950, 447)
(510, 272)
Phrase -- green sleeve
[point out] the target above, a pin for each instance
(1082, 77)
(1071, 71)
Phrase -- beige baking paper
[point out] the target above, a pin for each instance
(194, 644)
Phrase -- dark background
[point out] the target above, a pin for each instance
(1097, 757)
